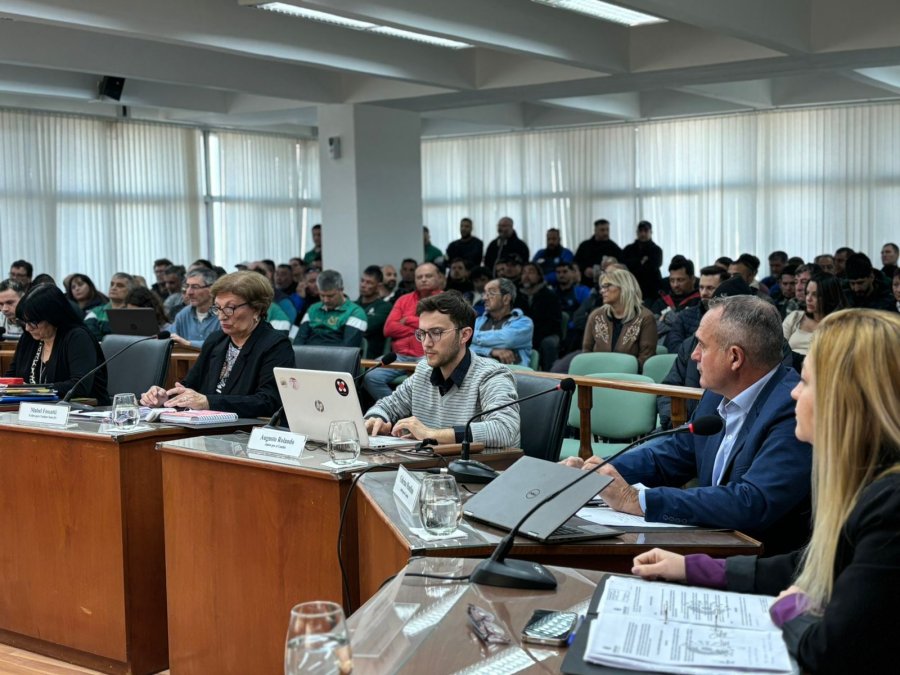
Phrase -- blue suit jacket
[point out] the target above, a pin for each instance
(765, 485)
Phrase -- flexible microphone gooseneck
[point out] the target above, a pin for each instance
(466, 470)
(162, 335)
(497, 571)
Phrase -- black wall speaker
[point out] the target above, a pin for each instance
(111, 87)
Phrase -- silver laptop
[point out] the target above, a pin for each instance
(140, 322)
(504, 501)
(313, 399)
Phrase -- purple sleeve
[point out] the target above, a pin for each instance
(701, 570)
(789, 607)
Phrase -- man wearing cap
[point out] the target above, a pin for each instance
(868, 288)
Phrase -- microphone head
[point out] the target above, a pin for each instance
(388, 358)
(708, 425)
(163, 335)
(567, 384)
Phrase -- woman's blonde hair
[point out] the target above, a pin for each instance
(631, 292)
(253, 287)
(855, 358)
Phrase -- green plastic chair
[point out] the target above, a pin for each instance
(603, 362)
(615, 414)
(661, 349)
(516, 366)
(534, 361)
(658, 366)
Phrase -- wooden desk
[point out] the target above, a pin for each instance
(7, 351)
(180, 362)
(245, 541)
(415, 625)
(386, 542)
(82, 564)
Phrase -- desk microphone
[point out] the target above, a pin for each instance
(162, 335)
(385, 360)
(497, 571)
(466, 470)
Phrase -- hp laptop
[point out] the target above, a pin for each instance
(504, 501)
(140, 322)
(313, 399)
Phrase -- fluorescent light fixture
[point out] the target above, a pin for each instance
(366, 26)
(603, 10)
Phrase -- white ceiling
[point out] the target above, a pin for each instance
(217, 62)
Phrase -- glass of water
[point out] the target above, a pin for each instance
(125, 411)
(439, 504)
(343, 442)
(317, 641)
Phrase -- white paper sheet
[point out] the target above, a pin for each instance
(607, 516)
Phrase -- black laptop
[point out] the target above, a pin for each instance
(140, 321)
(505, 500)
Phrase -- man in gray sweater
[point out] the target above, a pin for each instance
(450, 385)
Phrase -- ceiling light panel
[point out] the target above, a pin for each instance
(603, 10)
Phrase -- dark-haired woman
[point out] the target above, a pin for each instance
(81, 290)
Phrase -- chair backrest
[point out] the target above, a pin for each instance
(658, 366)
(534, 360)
(543, 419)
(141, 367)
(617, 414)
(661, 349)
(328, 357)
(603, 362)
(516, 366)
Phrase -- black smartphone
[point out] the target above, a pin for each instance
(548, 627)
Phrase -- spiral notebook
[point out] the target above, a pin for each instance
(198, 417)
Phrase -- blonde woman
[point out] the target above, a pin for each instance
(622, 324)
(843, 590)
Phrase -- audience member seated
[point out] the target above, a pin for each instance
(754, 475)
(503, 333)
(509, 266)
(571, 295)
(458, 279)
(682, 294)
(747, 266)
(375, 308)
(684, 324)
(785, 297)
(826, 262)
(313, 257)
(335, 320)
(143, 298)
(643, 259)
(233, 372)
(11, 291)
(836, 595)
(196, 322)
(480, 276)
(81, 290)
(401, 326)
(868, 287)
(310, 293)
(22, 271)
(284, 280)
(450, 385)
(591, 252)
(541, 305)
(889, 254)
(467, 247)
(407, 283)
(823, 296)
(267, 268)
(432, 253)
(174, 281)
(840, 260)
(96, 320)
(507, 242)
(777, 261)
(160, 265)
(56, 348)
(389, 280)
(552, 256)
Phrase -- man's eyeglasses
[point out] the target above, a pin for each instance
(193, 287)
(227, 312)
(435, 334)
(491, 294)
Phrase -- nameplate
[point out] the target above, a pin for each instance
(43, 413)
(277, 442)
(406, 489)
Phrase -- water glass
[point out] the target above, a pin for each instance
(317, 641)
(343, 442)
(439, 505)
(125, 412)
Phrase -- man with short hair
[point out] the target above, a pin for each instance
(388, 281)
(786, 296)
(298, 270)
(805, 272)
(97, 319)
(432, 252)
(450, 385)
(196, 322)
(507, 242)
(592, 251)
(407, 283)
(777, 261)
(467, 247)
(458, 279)
(284, 279)
(747, 266)
(644, 258)
(173, 280)
(313, 256)
(11, 291)
(571, 295)
(889, 254)
(541, 305)
(685, 323)
(160, 266)
(22, 271)
(682, 293)
(868, 289)
(826, 262)
(552, 256)
(840, 260)
(334, 320)
(510, 267)
(754, 476)
(375, 308)
(502, 332)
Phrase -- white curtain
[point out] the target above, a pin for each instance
(804, 181)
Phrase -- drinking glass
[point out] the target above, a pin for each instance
(317, 641)
(125, 411)
(439, 504)
(343, 442)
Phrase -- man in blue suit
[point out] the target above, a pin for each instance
(754, 476)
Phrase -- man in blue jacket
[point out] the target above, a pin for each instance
(754, 476)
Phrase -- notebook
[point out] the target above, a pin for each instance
(312, 399)
(505, 500)
(198, 417)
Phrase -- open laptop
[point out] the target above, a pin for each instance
(313, 399)
(505, 500)
(140, 322)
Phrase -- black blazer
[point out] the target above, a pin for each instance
(75, 352)
(250, 390)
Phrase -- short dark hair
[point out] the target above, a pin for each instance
(725, 260)
(645, 225)
(45, 302)
(162, 261)
(601, 221)
(790, 270)
(466, 219)
(893, 246)
(375, 272)
(284, 266)
(451, 303)
(567, 265)
(29, 268)
(536, 268)
(714, 271)
(749, 261)
(43, 278)
(175, 269)
(269, 264)
(142, 296)
(317, 226)
(553, 229)
(778, 255)
(858, 266)
(845, 249)
(409, 260)
(682, 263)
(203, 262)
(795, 260)
(480, 272)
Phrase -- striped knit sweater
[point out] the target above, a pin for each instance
(487, 385)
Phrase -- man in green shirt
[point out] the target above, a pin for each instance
(335, 320)
(313, 256)
(432, 253)
(376, 310)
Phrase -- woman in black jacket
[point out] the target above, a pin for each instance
(843, 590)
(234, 370)
(56, 349)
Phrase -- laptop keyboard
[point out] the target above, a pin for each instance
(568, 530)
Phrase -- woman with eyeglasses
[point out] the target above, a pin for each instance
(838, 596)
(56, 349)
(234, 370)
